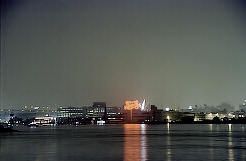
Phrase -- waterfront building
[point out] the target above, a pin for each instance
(98, 111)
(115, 115)
(44, 121)
(237, 114)
(172, 116)
(137, 116)
(72, 115)
(212, 115)
(187, 117)
(176, 116)
(71, 112)
(156, 114)
(199, 117)
(135, 112)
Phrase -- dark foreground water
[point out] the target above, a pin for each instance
(126, 142)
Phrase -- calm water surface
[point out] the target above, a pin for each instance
(127, 142)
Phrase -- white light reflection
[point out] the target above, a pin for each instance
(143, 143)
(168, 119)
(243, 144)
(230, 144)
(229, 128)
(168, 128)
(211, 127)
(168, 149)
(211, 142)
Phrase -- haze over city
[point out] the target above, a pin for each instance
(122, 80)
(168, 52)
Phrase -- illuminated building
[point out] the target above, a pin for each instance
(47, 120)
(71, 112)
(211, 116)
(72, 115)
(100, 110)
(115, 115)
(171, 116)
(90, 114)
(137, 116)
(135, 112)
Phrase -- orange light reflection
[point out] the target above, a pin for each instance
(135, 142)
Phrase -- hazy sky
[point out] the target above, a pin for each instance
(167, 51)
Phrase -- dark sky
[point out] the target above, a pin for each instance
(170, 52)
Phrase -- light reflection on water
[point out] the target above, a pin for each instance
(137, 142)
(211, 127)
(230, 144)
(143, 142)
(211, 142)
(168, 147)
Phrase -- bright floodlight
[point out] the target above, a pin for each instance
(190, 107)
(143, 105)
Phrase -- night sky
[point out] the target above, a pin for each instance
(171, 52)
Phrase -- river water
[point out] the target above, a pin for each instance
(129, 142)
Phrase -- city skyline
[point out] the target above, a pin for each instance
(169, 53)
